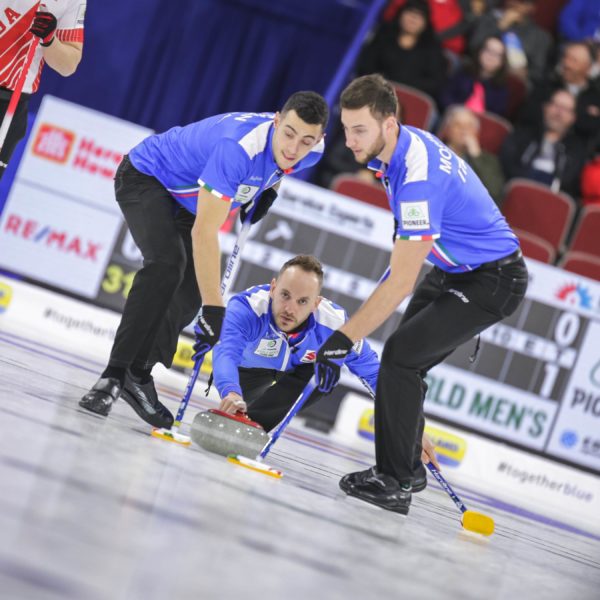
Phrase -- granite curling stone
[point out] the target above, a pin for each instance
(224, 434)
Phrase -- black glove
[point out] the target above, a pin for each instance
(44, 26)
(207, 330)
(265, 201)
(329, 361)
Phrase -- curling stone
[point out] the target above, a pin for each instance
(222, 433)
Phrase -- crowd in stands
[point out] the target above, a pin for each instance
(513, 87)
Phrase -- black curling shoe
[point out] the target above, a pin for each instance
(142, 397)
(379, 489)
(102, 396)
(420, 479)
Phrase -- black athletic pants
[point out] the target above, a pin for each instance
(164, 296)
(445, 311)
(17, 128)
(269, 394)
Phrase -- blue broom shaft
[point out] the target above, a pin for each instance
(290, 415)
(446, 486)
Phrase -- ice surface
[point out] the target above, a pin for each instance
(95, 508)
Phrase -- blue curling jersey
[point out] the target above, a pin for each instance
(435, 195)
(250, 338)
(230, 155)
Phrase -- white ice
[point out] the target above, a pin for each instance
(95, 508)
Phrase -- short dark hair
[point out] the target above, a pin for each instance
(309, 106)
(373, 91)
(588, 47)
(308, 263)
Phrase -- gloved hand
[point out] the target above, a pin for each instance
(207, 330)
(265, 201)
(330, 357)
(44, 27)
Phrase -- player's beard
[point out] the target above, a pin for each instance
(374, 151)
(285, 327)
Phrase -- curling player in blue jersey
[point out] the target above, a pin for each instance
(266, 353)
(444, 214)
(175, 190)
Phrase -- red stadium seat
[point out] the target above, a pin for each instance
(582, 264)
(587, 232)
(416, 107)
(546, 14)
(535, 247)
(536, 209)
(493, 129)
(372, 193)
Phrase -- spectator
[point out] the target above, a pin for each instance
(552, 155)
(473, 11)
(527, 44)
(580, 20)
(461, 134)
(480, 84)
(451, 19)
(407, 51)
(573, 72)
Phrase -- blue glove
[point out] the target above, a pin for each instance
(330, 358)
(265, 201)
(207, 330)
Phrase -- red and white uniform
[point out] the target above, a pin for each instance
(16, 17)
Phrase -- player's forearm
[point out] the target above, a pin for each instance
(226, 361)
(377, 309)
(63, 57)
(207, 265)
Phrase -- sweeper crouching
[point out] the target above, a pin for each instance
(265, 356)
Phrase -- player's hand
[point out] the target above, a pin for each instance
(44, 27)
(233, 403)
(428, 453)
(329, 360)
(207, 330)
(264, 203)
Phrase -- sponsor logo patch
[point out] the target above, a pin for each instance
(309, 356)
(415, 215)
(245, 192)
(80, 15)
(269, 348)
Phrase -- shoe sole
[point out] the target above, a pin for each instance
(400, 510)
(155, 421)
(419, 488)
